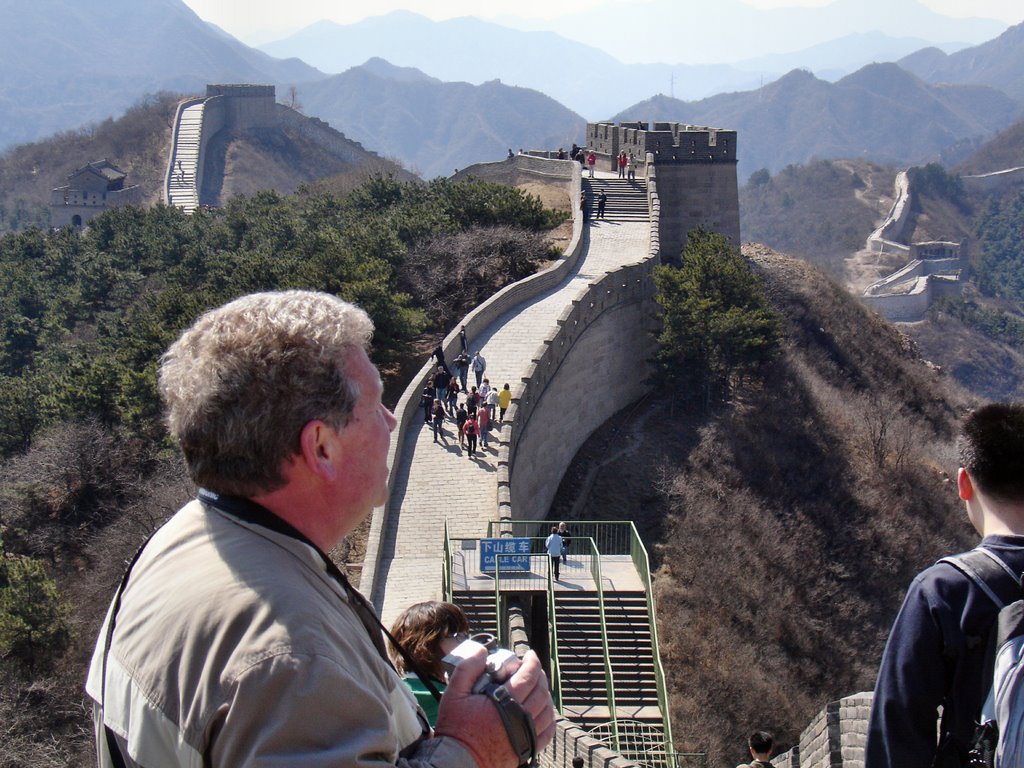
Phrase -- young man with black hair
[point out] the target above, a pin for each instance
(936, 653)
(760, 744)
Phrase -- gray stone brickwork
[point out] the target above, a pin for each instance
(835, 738)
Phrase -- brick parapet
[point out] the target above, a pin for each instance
(835, 738)
(572, 741)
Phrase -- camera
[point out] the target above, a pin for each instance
(501, 662)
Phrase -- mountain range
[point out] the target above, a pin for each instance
(435, 127)
(881, 112)
(65, 64)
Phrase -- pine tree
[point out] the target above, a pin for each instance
(716, 322)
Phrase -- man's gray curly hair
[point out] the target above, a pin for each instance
(243, 381)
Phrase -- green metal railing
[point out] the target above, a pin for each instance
(638, 552)
(609, 678)
(556, 673)
(589, 538)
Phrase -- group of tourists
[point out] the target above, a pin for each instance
(473, 408)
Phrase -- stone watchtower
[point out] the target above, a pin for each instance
(695, 171)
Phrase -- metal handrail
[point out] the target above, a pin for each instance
(641, 562)
(446, 565)
(555, 669)
(609, 680)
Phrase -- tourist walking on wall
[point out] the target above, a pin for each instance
(504, 401)
(439, 354)
(441, 381)
(462, 366)
(479, 365)
(463, 340)
(563, 531)
(453, 396)
(470, 430)
(591, 162)
(623, 162)
(574, 153)
(439, 420)
(631, 168)
(760, 744)
(483, 425)
(485, 389)
(553, 544)
(492, 402)
(602, 201)
(460, 421)
(427, 403)
(935, 656)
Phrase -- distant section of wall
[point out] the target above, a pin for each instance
(834, 739)
(321, 134)
(935, 269)
(246, 106)
(522, 168)
(997, 181)
(891, 231)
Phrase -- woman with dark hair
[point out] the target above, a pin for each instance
(428, 631)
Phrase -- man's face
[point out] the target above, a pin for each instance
(363, 461)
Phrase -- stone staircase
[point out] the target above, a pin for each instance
(627, 200)
(183, 184)
(479, 610)
(581, 658)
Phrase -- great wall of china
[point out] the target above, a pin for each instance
(584, 320)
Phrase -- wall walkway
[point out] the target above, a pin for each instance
(515, 331)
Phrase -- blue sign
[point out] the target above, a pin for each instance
(515, 554)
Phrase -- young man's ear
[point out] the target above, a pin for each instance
(964, 485)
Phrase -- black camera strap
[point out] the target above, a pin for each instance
(251, 512)
(256, 514)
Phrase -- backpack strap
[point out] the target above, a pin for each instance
(991, 575)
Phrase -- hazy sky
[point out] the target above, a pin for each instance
(259, 21)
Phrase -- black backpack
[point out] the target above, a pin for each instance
(999, 739)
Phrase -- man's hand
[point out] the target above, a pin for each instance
(473, 720)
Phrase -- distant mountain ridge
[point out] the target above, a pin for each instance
(65, 63)
(881, 112)
(584, 78)
(436, 127)
(998, 63)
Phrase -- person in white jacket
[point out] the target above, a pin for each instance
(233, 639)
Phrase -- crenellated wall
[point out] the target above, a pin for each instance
(603, 343)
(835, 738)
(696, 168)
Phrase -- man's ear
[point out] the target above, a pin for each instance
(318, 448)
(964, 484)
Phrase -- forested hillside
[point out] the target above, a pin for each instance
(786, 519)
(87, 471)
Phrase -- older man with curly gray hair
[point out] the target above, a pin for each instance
(233, 639)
